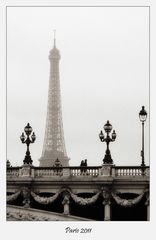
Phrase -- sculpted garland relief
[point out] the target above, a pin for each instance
(79, 200)
(13, 196)
(84, 201)
(147, 198)
(107, 194)
(45, 200)
(127, 202)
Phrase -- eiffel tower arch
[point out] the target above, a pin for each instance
(54, 144)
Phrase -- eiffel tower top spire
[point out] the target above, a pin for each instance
(54, 38)
(54, 52)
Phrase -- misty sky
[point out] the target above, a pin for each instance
(104, 75)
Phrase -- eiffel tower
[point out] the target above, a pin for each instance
(54, 150)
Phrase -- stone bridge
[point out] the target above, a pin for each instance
(46, 184)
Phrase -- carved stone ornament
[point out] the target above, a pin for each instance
(26, 196)
(106, 195)
(20, 216)
(85, 201)
(45, 200)
(79, 200)
(66, 196)
(147, 199)
(147, 172)
(127, 202)
(66, 200)
(12, 197)
(25, 171)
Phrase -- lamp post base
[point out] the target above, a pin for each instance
(27, 160)
(107, 159)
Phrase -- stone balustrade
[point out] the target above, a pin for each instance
(47, 171)
(84, 171)
(97, 171)
(13, 171)
(128, 171)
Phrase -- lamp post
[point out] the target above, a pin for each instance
(143, 117)
(107, 127)
(26, 139)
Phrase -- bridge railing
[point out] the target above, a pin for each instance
(93, 171)
(47, 171)
(131, 171)
(13, 171)
(85, 171)
(64, 171)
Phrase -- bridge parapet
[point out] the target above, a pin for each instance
(131, 171)
(13, 172)
(76, 172)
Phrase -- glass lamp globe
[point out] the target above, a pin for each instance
(28, 129)
(143, 114)
(108, 127)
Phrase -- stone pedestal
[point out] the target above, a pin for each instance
(106, 170)
(25, 171)
(113, 171)
(107, 211)
(66, 172)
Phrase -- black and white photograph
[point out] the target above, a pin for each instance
(77, 115)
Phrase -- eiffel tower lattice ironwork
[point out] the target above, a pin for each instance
(54, 145)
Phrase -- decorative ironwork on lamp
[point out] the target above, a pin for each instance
(108, 128)
(27, 139)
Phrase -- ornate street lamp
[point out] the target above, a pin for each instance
(107, 127)
(143, 117)
(26, 139)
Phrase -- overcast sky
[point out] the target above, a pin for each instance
(104, 75)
